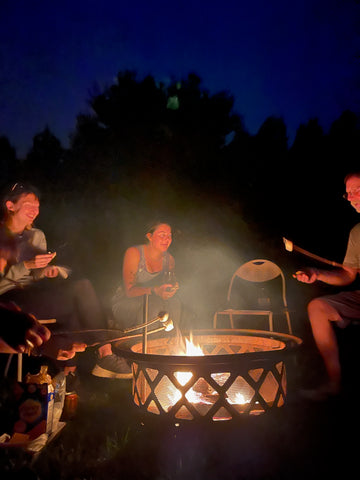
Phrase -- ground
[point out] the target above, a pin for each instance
(108, 439)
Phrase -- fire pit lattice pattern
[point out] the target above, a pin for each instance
(239, 375)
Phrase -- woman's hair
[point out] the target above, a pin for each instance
(14, 192)
(151, 227)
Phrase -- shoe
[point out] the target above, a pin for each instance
(112, 366)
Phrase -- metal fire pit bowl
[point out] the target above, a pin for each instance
(242, 373)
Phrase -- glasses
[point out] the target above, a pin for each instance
(352, 193)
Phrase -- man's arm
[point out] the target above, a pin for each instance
(340, 277)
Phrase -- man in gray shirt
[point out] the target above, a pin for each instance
(341, 308)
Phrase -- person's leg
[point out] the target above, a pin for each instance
(90, 312)
(321, 315)
(127, 312)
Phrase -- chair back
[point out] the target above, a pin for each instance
(257, 271)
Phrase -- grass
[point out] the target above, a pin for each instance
(108, 440)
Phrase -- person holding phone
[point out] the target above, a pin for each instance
(31, 281)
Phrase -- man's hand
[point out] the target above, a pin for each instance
(309, 275)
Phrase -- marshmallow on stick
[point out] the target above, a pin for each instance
(290, 247)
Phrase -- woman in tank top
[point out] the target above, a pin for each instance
(148, 269)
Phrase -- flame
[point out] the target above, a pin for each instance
(191, 349)
(238, 399)
(195, 397)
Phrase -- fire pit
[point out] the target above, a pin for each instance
(234, 373)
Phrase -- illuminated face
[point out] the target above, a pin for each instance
(25, 210)
(161, 238)
(353, 192)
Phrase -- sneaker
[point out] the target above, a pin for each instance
(112, 366)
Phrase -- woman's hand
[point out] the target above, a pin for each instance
(166, 291)
(51, 271)
(40, 261)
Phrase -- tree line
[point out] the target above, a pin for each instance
(168, 148)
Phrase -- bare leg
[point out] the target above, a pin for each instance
(321, 314)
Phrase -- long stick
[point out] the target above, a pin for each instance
(290, 246)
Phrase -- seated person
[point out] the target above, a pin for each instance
(20, 331)
(147, 270)
(30, 280)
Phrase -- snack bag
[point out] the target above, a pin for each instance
(35, 400)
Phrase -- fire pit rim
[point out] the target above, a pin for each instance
(291, 343)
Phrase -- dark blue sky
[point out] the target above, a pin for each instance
(297, 60)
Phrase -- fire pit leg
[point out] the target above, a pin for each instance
(146, 318)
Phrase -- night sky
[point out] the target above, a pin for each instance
(295, 60)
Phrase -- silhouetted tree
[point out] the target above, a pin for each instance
(43, 163)
(153, 136)
(344, 141)
(9, 164)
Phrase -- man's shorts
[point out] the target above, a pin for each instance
(347, 304)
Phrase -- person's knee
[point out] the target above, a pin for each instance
(315, 306)
(319, 309)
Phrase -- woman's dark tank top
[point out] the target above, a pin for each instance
(143, 275)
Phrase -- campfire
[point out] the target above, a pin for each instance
(211, 374)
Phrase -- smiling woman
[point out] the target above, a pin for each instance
(30, 280)
(148, 274)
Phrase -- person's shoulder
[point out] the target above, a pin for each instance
(36, 237)
(133, 251)
(171, 259)
(36, 232)
(355, 229)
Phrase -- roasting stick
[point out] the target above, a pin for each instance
(290, 246)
